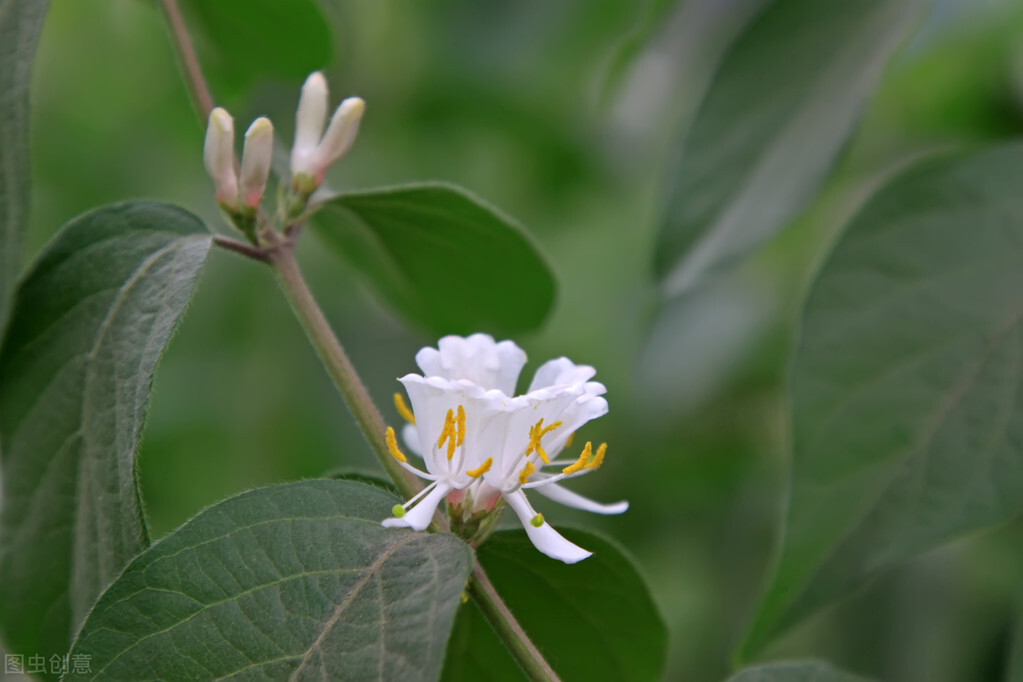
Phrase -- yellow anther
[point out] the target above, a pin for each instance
(536, 521)
(536, 433)
(406, 414)
(526, 472)
(484, 468)
(598, 458)
(461, 425)
(583, 460)
(448, 434)
(568, 443)
(392, 445)
(398, 510)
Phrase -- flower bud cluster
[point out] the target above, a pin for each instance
(240, 189)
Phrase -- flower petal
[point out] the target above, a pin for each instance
(419, 517)
(410, 434)
(544, 538)
(561, 371)
(477, 358)
(563, 495)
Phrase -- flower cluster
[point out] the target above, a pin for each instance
(240, 191)
(482, 444)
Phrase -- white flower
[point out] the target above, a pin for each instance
(218, 156)
(313, 150)
(256, 158)
(473, 434)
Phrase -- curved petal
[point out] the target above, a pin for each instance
(419, 517)
(587, 407)
(410, 434)
(564, 496)
(561, 371)
(477, 358)
(544, 538)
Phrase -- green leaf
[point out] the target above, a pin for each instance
(446, 260)
(906, 386)
(88, 324)
(594, 620)
(783, 103)
(21, 22)
(803, 671)
(242, 39)
(296, 581)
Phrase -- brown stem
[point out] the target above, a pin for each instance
(254, 252)
(189, 62)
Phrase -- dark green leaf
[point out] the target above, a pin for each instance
(803, 671)
(442, 257)
(21, 22)
(784, 101)
(88, 324)
(593, 620)
(248, 38)
(296, 581)
(906, 386)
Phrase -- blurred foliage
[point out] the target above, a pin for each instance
(514, 101)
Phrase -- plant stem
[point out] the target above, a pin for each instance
(336, 361)
(280, 254)
(197, 88)
(508, 629)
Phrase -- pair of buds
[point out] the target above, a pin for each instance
(240, 191)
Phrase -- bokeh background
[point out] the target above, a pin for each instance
(565, 115)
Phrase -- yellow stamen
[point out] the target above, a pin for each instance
(406, 414)
(568, 443)
(448, 434)
(598, 458)
(583, 460)
(392, 445)
(536, 521)
(536, 433)
(526, 472)
(398, 511)
(461, 425)
(484, 468)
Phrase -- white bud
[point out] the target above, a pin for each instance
(309, 121)
(256, 158)
(218, 155)
(340, 135)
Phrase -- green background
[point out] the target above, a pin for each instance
(541, 109)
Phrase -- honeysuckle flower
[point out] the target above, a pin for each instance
(257, 156)
(218, 156)
(315, 150)
(480, 442)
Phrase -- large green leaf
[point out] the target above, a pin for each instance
(779, 110)
(242, 39)
(88, 324)
(21, 22)
(296, 581)
(907, 383)
(442, 257)
(802, 671)
(594, 620)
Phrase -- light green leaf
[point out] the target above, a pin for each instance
(21, 22)
(779, 110)
(906, 386)
(242, 39)
(594, 620)
(803, 671)
(296, 581)
(88, 324)
(443, 258)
